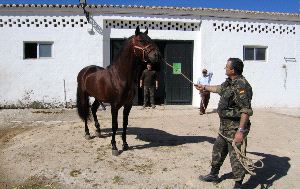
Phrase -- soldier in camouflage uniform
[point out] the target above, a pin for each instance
(234, 110)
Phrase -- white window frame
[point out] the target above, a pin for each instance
(38, 49)
(255, 47)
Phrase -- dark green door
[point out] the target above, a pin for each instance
(178, 89)
(173, 89)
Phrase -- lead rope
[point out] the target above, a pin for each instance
(245, 161)
(180, 73)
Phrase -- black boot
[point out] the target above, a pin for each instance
(238, 184)
(211, 177)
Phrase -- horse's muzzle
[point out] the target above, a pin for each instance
(154, 56)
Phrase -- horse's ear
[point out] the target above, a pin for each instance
(146, 32)
(137, 30)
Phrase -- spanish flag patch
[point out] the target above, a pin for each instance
(242, 91)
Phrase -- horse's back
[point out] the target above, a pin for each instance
(87, 71)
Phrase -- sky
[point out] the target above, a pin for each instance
(289, 6)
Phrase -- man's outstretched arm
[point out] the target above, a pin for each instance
(210, 88)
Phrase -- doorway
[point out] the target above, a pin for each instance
(173, 88)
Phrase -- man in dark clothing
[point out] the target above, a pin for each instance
(149, 81)
(234, 110)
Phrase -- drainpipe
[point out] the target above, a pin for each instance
(65, 92)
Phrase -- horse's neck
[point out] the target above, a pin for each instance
(125, 65)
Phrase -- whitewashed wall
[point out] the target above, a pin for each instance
(41, 81)
(75, 46)
(23, 81)
(273, 85)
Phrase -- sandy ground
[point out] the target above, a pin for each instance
(170, 147)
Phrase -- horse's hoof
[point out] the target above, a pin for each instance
(88, 137)
(125, 147)
(115, 152)
(98, 134)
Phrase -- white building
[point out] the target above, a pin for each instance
(43, 47)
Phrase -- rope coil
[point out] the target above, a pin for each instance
(245, 161)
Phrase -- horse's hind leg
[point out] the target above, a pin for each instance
(94, 108)
(126, 112)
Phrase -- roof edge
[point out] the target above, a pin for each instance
(164, 10)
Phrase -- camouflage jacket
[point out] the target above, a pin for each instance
(236, 96)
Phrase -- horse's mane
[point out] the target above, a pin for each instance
(124, 46)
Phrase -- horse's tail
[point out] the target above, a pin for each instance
(83, 103)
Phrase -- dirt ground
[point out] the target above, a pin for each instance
(170, 146)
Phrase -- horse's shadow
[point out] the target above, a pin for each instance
(275, 167)
(156, 137)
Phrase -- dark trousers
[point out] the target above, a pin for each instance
(149, 91)
(205, 96)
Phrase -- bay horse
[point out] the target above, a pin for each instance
(115, 85)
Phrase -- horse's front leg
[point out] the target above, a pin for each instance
(94, 108)
(114, 114)
(86, 128)
(126, 112)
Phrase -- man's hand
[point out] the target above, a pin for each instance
(238, 137)
(141, 83)
(199, 87)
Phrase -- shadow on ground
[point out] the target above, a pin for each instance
(212, 111)
(275, 168)
(157, 137)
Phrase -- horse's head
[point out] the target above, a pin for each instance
(144, 48)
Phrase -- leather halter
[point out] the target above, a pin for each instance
(144, 50)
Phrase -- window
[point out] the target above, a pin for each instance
(34, 50)
(254, 53)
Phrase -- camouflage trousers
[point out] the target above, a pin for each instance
(222, 147)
